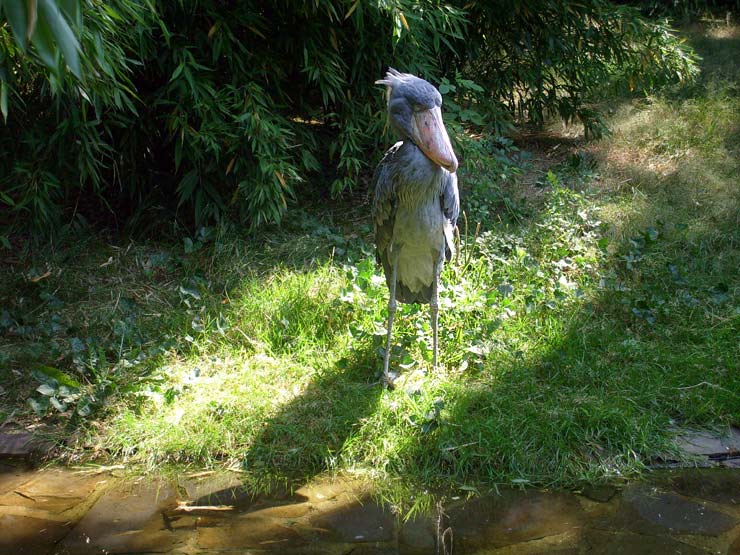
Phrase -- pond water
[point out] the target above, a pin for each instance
(61, 511)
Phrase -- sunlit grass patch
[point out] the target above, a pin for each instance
(205, 410)
(678, 154)
(290, 312)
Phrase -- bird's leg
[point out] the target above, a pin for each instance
(391, 312)
(434, 308)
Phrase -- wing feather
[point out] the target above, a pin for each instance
(450, 203)
(385, 202)
(450, 198)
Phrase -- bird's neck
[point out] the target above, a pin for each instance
(418, 177)
(412, 155)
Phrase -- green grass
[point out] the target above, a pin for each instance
(591, 314)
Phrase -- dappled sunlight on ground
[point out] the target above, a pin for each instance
(723, 31)
(681, 148)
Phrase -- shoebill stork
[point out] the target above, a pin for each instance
(416, 201)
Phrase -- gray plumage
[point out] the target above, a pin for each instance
(415, 207)
(416, 201)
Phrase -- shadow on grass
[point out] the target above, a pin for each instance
(599, 405)
(717, 46)
(307, 435)
(655, 349)
(108, 316)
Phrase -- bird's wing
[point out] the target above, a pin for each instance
(450, 203)
(385, 201)
(450, 198)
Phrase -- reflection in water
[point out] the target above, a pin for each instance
(65, 512)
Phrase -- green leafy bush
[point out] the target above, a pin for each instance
(208, 110)
(61, 126)
(215, 106)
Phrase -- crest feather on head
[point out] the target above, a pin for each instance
(394, 77)
(410, 87)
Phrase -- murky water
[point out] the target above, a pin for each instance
(67, 512)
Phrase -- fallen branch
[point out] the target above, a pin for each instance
(185, 508)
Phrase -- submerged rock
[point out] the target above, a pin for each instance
(711, 484)
(128, 518)
(513, 517)
(600, 542)
(600, 494)
(670, 511)
(357, 521)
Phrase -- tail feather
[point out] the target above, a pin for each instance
(403, 293)
(406, 295)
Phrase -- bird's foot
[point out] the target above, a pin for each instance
(388, 379)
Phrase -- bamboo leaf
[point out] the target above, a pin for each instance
(403, 20)
(32, 18)
(15, 11)
(177, 72)
(4, 100)
(73, 11)
(63, 34)
(44, 42)
(352, 9)
(280, 177)
(230, 166)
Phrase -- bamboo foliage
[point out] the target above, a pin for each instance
(208, 109)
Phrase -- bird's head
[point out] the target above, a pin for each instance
(415, 113)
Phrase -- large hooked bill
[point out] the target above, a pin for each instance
(431, 137)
